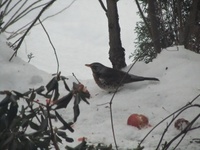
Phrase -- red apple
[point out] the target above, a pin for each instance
(138, 120)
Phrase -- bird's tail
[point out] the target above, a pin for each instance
(139, 78)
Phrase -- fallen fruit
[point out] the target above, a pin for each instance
(81, 139)
(138, 120)
(181, 123)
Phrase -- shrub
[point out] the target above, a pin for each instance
(28, 125)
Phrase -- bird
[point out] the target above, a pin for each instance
(110, 79)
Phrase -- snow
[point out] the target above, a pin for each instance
(177, 69)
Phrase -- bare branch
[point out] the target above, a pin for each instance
(102, 5)
(23, 28)
(2, 4)
(35, 20)
(21, 15)
(51, 45)
(6, 7)
(60, 11)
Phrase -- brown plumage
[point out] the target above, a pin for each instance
(109, 79)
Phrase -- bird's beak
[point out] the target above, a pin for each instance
(88, 65)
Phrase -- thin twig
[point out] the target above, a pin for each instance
(51, 45)
(103, 104)
(111, 115)
(22, 14)
(194, 128)
(2, 4)
(23, 28)
(102, 5)
(65, 8)
(76, 78)
(13, 16)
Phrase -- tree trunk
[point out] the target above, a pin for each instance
(116, 52)
(190, 24)
(179, 5)
(154, 26)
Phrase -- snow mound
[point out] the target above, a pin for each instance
(17, 74)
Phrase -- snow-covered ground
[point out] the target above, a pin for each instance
(178, 72)
(83, 39)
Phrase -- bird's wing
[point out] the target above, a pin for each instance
(112, 75)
